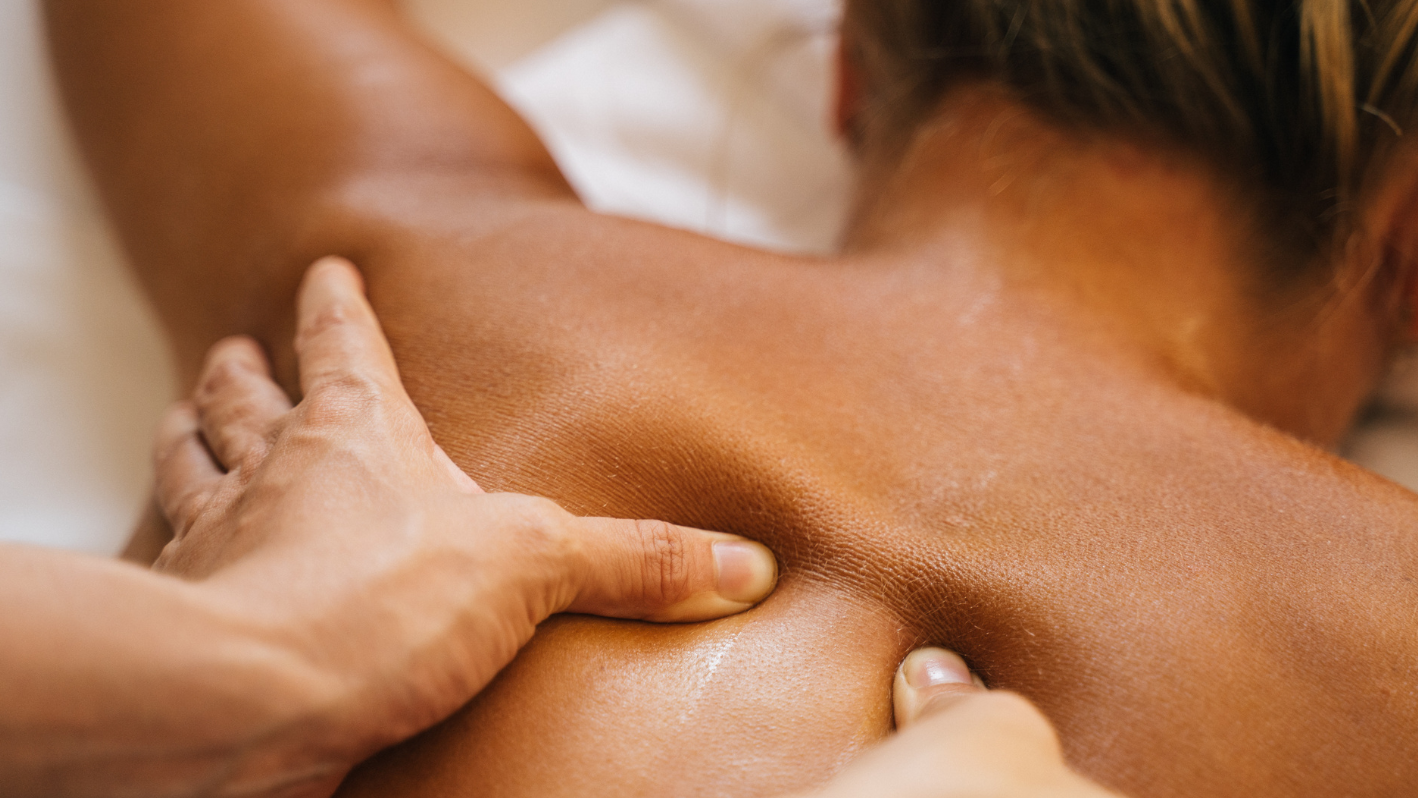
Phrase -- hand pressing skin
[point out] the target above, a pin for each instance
(959, 740)
(362, 547)
(342, 587)
(305, 511)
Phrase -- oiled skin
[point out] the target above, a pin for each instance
(1203, 606)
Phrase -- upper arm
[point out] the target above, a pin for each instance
(225, 138)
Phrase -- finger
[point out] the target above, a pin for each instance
(981, 726)
(186, 474)
(997, 743)
(967, 742)
(338, 338)
(935, 688)
(238, 403)
(650, 570)
(960, 740)
(153, 533)
(930, 678)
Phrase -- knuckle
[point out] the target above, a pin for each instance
(666, 569)
(540, 525)
(353, 385)
(253, 452)
(222, 376)
(334, 318)
(230, 419)
(166, 446)
(341, 399)
(547, 520)
(185, 510)
(168, 455)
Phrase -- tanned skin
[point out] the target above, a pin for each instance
(1037, 417)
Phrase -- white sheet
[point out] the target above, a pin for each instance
(82, 369)
(705, 114)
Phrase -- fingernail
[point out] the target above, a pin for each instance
(342, 266)
(331, 261)
(745, 571)
(929, 667)
(924, 669)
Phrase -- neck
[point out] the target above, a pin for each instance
(1141, 243)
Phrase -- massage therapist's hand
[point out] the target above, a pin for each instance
(958, 740)
(352, 540)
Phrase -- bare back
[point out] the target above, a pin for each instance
(1203, 606)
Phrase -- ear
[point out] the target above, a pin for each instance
(1391, 219)
(850, 91)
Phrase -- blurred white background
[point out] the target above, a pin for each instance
(663, 110)
(704, 114)
(82, 370)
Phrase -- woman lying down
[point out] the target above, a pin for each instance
(1119, 276)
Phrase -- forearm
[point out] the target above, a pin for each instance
(116, 681)
(226, 135)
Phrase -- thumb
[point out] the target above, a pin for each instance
(958, 739)
(654, 571)
(978, 733)
(929, 681)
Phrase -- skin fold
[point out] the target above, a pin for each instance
(1044, 421)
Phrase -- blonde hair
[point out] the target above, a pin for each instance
(1298, 99)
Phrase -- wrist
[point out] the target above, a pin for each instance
(123, 678)
(292, 729)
